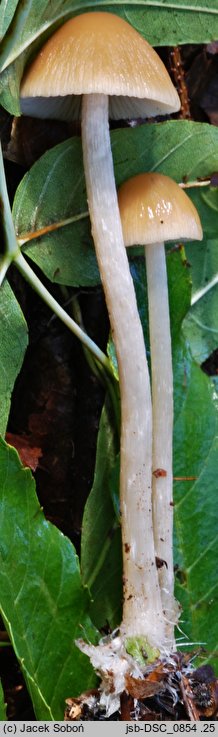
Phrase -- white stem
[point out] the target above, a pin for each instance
(162, 408)
(142, 610)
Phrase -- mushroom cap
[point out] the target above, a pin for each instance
(97, 52)
(154, 208)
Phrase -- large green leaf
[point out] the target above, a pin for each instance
(160, 21)
(41, 200)
(195, 430)
(42, 601)
(3, 716)
(182, 149)
(13, 342)
(195, 454)
(10, 85)
(13, 328)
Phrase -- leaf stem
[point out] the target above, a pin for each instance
(11, 246)
(41, 290)
(4, 265)
(201, 292)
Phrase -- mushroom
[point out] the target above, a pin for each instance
(100, 56)
(155, 209)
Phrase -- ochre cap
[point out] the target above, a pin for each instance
(153, 209)
(99, 53)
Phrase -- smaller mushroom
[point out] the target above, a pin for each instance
(155, 209)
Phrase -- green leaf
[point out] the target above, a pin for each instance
(10, 85)
(210, 196)
(200, 326)
(161, 22)
(7, 13)
(195, 454)
(107, 594)
(204, 199)
(182, 149)
(203, 259)
(66, 256)
(100, 544)
(180, 22)
(3, 715)
(42, 601)
(13, 341)
(13, 328)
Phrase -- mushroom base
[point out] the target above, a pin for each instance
(167, 688)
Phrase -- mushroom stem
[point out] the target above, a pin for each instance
(162, 407)
(142, 609)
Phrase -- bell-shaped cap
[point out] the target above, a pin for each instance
(97, 53)
(154, 208)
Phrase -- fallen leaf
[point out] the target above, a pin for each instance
(29, 454)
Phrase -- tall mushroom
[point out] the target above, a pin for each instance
(100, 56)
(155, 209)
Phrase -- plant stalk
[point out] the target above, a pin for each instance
(4, 266)
(41, 290)
(199, 294)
